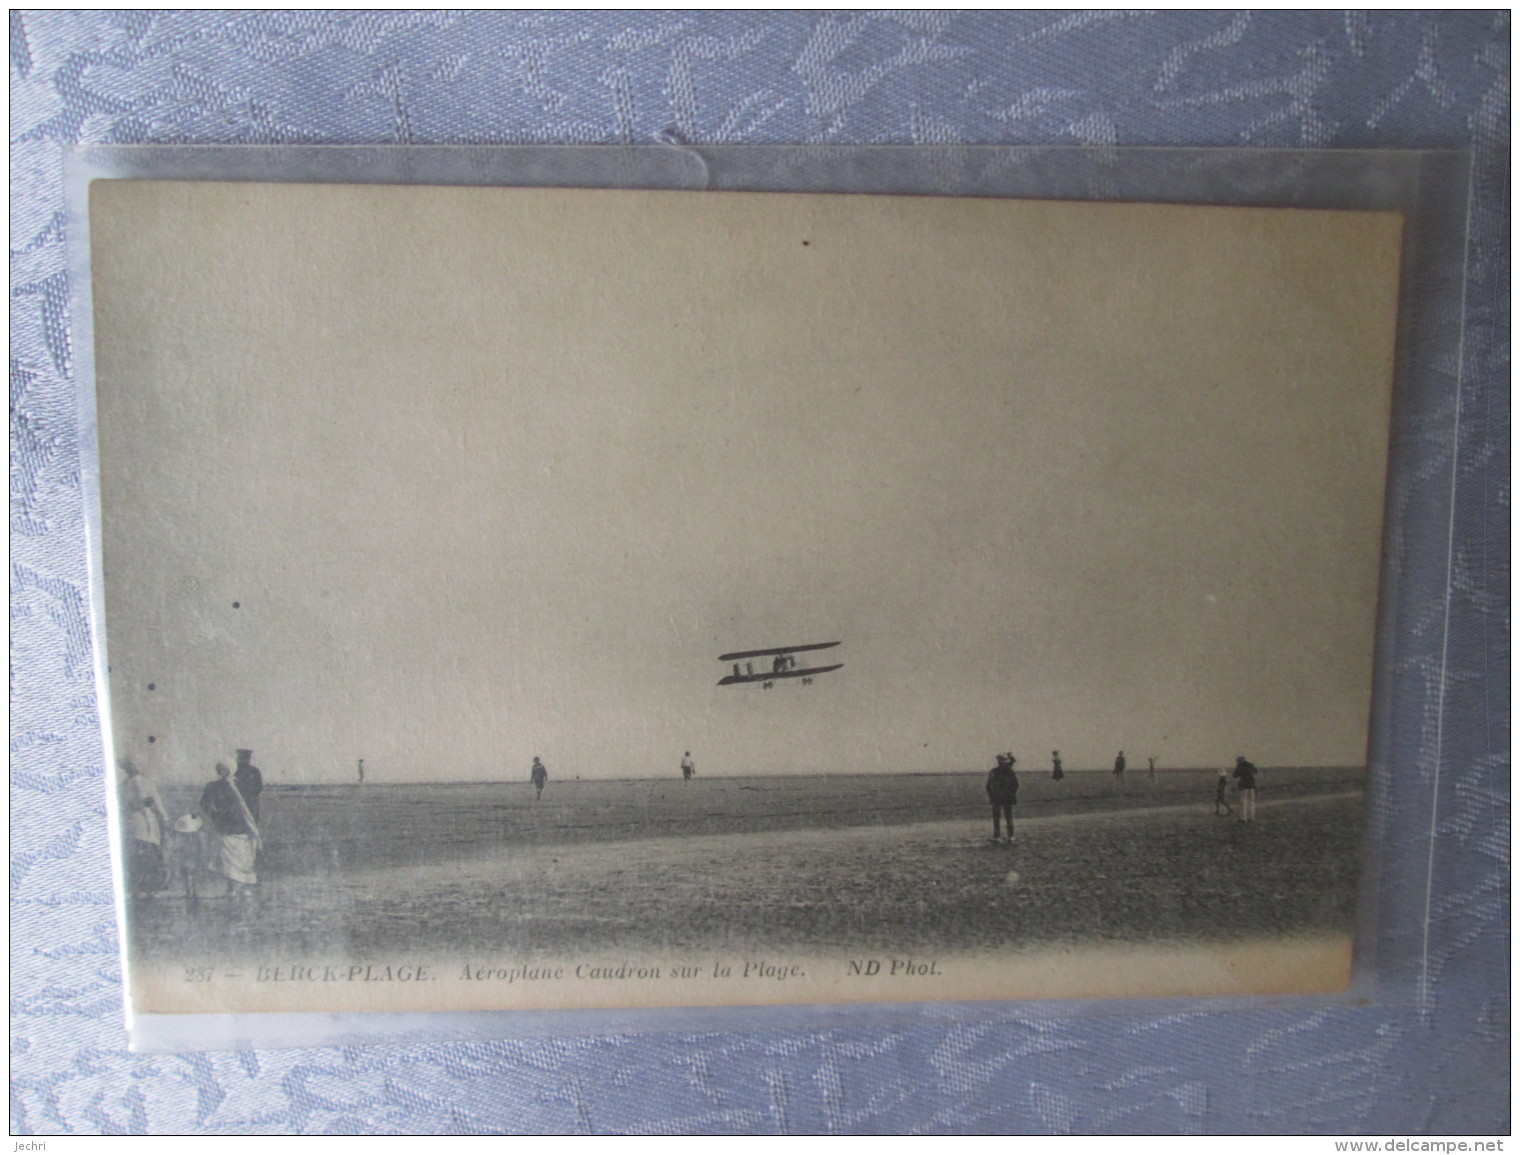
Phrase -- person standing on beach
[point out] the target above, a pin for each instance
(237, 832)
(249, 782)
(361, 771)
(1055, 761)
(1219, 799)
(688, 767)
(1152, 774)
(539, 776)
(1119, 766)
(1245, 783)
(189, 853)
(1003, 793)
(146, 820)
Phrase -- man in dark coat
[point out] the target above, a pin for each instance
(237, 831)
(1245, 783)
(1119, 766)
(249, 782)
(1003, 793)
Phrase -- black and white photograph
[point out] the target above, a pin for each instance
(538, 598)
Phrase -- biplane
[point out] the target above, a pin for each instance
(783, 664)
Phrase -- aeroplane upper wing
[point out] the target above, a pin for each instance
(778, 650)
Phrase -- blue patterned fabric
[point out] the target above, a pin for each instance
(1330, 80)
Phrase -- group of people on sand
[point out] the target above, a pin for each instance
(1245, 786)
(1120, 764)
(538, 773)
(220, 837)
(1003, 789)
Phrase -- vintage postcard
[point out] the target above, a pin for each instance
(547, 598)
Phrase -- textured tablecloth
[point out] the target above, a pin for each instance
(1322, 80)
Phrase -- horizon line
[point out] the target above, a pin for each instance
(1142, 773)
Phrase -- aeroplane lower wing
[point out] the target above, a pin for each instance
(736, 679)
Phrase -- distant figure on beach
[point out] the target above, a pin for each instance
(237, 832)
(1055, 761)
(188, 853)
(361, 771)
(1245, 783)
(688, 767)
(145, 823)
(249, 782)
(539, 776)
(1003, 793)
(1119, 766)
(1152, 774)
(1219, 799)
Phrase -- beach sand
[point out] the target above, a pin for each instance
(1123, 874)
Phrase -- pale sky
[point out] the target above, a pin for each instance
(493, 473)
